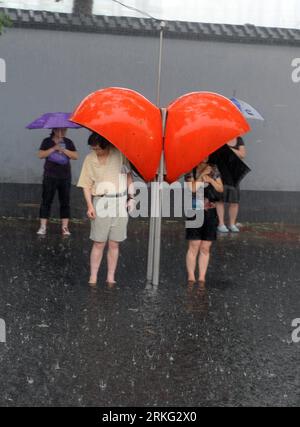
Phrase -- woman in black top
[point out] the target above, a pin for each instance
(200, 239)
(58, 151)
(231, 195)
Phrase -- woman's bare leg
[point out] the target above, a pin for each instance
(65, 223)
(221, 212)
(43, 227)
(96, 258)
(233, 213)
(112, 260)
(204, 259)
(43, 222)
(191, 259)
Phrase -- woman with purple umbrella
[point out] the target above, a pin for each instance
(58, 151)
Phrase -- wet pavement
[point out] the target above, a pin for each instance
(137, 345)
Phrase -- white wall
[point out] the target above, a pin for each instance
(53, 71)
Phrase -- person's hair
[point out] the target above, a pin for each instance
(98, 140)
(52, 134)
(212, 160)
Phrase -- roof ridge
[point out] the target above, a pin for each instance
(248, 33)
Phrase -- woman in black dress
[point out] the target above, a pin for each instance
(204, 177)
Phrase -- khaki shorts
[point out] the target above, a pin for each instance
(111, 220)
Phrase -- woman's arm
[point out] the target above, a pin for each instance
(219, 186)
(193, 185)
(241, 152)
(216, 183)
(43, 154)
(130, 185)
(131, 193)
(91, 213)
(73, 155)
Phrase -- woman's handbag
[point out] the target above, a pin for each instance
(59, 158)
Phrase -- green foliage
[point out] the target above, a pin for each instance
(4, 22)
(83, 7)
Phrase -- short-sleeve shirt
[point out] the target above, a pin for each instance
(193, 174)
(55, 170)
(209, 191)
(239, 143)
(108, 178)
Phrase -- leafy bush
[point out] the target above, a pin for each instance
(4, 22)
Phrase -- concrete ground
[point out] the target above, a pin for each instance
(136, 345)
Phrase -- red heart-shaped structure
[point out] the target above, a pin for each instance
(129, 121)
(197, 125)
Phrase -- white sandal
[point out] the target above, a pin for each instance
(65, 231)
(42, 231)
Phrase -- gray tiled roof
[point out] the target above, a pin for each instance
(148, 27)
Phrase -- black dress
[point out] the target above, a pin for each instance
(208, 231)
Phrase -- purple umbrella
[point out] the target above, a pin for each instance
(53, 121)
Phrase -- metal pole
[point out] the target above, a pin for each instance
(161, 40)
(157, 237)
(155, 222)
(151, 234)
